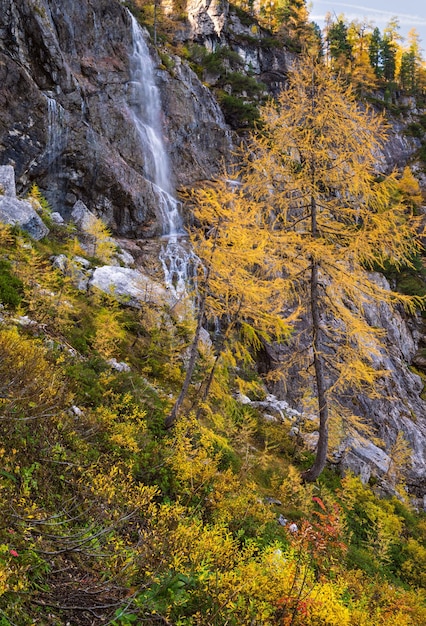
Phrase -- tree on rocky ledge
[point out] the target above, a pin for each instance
(313, 168)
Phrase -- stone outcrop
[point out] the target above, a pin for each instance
(7, 181)
(14, 211)
(65, 91)
(207, 18)
(197, 136)
(130, 286)
(397, 409)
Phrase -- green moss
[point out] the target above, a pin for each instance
(11, 288)
(167, 60)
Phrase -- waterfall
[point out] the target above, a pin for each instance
(57, 137)
(56, 134)
(145, 106)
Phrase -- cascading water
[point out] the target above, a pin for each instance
(55, 130)
(145, 106)
(57, 137)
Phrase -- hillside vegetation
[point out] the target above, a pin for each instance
(110, 519)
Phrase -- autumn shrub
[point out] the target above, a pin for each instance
(12, 572)
(40, 204)
(375, 529)
(32, 387)
(100, 503)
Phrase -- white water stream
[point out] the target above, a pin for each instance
(145, 106)
(57, 137)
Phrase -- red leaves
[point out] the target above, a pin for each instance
(322, 537)
(319, 502)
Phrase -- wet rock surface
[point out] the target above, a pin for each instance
(64, 95)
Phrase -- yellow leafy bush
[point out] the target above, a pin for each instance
(31, 388)
(414, 567)
(326, 607)
(12, 575)
(293, 493)
(116, 485)
(122, 419)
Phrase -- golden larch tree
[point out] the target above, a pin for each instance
(313, 168)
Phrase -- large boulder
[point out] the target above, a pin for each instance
(21, 213)
(129, 286)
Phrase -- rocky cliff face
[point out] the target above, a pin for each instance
(214, 23)
(64, 98)
(398, 409)
(65, 123)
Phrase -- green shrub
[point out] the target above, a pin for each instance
(244, 17)
(238, 113)
(88, 387)
(213, 61)
(241, 82)
(422, 153)
(415, 130)
(360, 558)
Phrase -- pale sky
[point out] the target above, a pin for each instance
(411, 13)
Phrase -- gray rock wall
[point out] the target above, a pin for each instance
(65, 123)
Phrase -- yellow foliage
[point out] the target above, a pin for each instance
(239, 279)
(117, 485)
(235, 502)
(326, 607)
(414, 567)
(12, 574)
(109, 331)
(400, 458)
(48, 296)
(103, 247)
(32, 387)
(191, 456)
(313, 181)
(123, 420)
(382, 525)
(38, 201)
(410, 188)
(6, 237)
(293, 493)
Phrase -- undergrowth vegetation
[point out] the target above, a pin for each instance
(107, 518)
